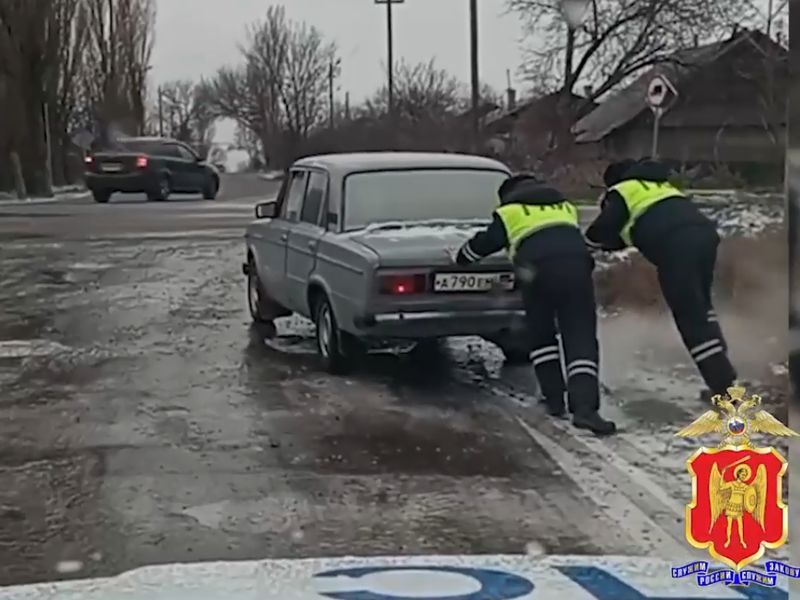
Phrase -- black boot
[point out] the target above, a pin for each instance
(555, 405)
(555, 409)
(594, 423)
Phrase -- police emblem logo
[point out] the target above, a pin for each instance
(737, 510)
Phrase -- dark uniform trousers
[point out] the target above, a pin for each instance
(686, 277)
(559, 298)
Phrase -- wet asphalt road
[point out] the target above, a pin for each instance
(142, 419)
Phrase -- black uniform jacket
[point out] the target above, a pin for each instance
(654, 231)
(549, 242)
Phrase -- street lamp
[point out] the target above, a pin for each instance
(390, 51)
(573, 12)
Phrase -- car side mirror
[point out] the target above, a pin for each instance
(266, 210)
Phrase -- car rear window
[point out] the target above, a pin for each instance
(143, 146)
(420, 195)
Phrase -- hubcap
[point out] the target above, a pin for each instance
(164, 187)
(253, 294)
(324, 331)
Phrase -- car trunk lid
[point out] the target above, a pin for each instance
(117, 162)
(423, 244)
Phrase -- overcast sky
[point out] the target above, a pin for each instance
(195, 42)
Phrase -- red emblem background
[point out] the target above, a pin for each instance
(701, 533)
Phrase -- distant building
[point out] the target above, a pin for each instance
(731, 107)
(537, 128)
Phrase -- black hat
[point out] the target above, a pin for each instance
(509, 184)
(615, 171)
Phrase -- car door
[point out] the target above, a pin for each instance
(301, 253)
(182, 166)
(193, 167)
(274, 237)
(171, 159)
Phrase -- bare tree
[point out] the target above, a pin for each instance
(69, 28)
(27, 56)
(278, 91)
(118, 60)
(618, 38)
(187, 108)
(423, 91)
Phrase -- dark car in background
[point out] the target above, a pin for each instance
(157, 167)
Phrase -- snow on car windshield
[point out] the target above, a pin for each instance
(420, 195)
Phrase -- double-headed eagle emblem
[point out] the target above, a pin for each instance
(736, 416)
(736, 483)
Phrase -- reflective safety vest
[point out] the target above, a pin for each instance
(640, 195)
(522, 220)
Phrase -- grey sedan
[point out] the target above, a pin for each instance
(361, 244)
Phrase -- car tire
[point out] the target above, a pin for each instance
(210, 188)
(162, 191)
(257, 297)
(337, 349)
(101, 196)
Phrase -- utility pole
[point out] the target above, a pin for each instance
(347, 106)
(332, 67)
(330, 94)
(474, 74)
(160, 113)
(390, 53)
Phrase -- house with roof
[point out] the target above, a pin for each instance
(535, 128)
(730, 107)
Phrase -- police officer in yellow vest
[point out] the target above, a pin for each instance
(642, 209)
(539, 229)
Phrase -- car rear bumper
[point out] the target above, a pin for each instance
(123, 182)
(441, 323)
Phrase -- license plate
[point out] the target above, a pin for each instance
(472, 282)
(112, 167)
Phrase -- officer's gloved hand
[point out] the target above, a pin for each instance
(453, 252)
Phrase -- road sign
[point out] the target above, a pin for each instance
(660, 92)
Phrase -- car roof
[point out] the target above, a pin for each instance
(150, 139)
(353, 162)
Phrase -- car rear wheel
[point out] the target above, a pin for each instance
(336, 348)
(162, 191)
(101, 196)
(210, 188)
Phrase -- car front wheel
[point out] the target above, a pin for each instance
(255, 296)
(162, 191)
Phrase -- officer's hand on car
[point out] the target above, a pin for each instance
(453, 251)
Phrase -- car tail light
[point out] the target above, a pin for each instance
(88, 160)
(141, 162)
(402, 285)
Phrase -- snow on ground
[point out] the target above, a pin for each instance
(65, 192)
